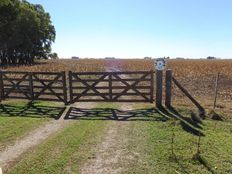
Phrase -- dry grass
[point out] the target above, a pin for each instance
(84, 65)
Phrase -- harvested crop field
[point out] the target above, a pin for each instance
(197, 76)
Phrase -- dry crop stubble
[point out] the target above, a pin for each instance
(198, 76)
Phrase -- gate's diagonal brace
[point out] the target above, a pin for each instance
(15, 85)
(90, 87)
(201, 109)
(48, 86)
(130, 87)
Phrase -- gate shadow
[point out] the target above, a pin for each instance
(148, 114)
(186, 123)
(31, 110)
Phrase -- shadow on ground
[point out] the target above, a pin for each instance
(148, 114)
(32, 110)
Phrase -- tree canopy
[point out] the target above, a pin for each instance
(26, 32)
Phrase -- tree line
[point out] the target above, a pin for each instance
(26, 32)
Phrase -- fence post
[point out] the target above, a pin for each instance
(159, 86)
(168, 88)
(216, 91)
(64, 87)
(1, 87)
(152, 87)
(31, 85)
(110, 87)
(70, 87)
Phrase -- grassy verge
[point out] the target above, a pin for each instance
(155, 154)
(17, 118)
(65, 151)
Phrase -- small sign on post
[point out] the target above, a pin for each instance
(160, 64)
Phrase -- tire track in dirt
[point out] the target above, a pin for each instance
(13, 152)
(112, 155)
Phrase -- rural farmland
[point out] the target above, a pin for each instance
(115, 87)
(102, 133)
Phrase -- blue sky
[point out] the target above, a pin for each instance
(139, 28)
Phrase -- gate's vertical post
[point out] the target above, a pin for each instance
(110, 86)
(159, 86)
(31, 86)
(1, 87)
(152, 86)
(64, 87)
(70, 86)
(168, 88)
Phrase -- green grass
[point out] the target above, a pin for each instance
(152, 141)
(65, 151)
(17, 118)
(149, 141)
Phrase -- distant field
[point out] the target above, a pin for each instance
(198, 76)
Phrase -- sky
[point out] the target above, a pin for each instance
(141, 28)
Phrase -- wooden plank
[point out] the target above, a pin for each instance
(215, 91)
(70, 78)
(168, 85)
(151, 87)
(33, 72)
(1, 87)
(50, 93)
(159, 87)
(48, 86)
(115, 93)
(107, 73)
(64, 88)
(110, 87)
(15, 85)
(90, 87)
(31, 86)
(28, 80)
(113, 87)
(119, 100)
(188, 95)
(130, 86)
(113, 80)
(42, 99)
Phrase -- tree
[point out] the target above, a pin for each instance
(26, 32)
(53, 56)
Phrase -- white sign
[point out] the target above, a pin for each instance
(160, 64)
(0, 170)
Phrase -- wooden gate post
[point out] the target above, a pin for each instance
(152, 87)
(168, 86)
(31, 85)
(159, 86)
(1, 87)
(64, 88)
(70, 75)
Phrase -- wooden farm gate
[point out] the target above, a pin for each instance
(133, 86)
(136, 86)
(49, 86)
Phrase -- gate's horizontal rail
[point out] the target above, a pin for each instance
(113, 87)
(33, 85)
(117, 72)
(34, 72)
(51, 86)
(107, 86)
